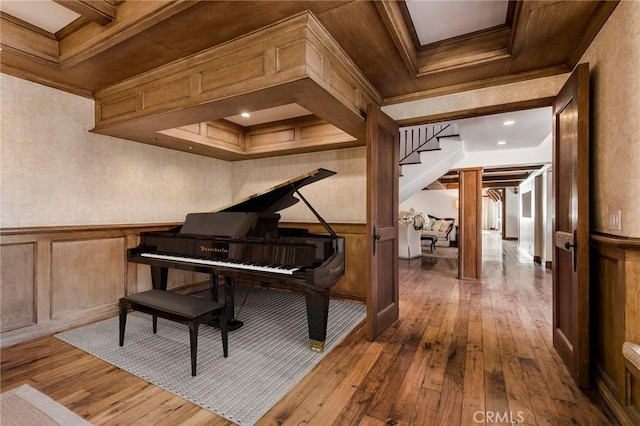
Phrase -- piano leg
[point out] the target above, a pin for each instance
(229, 301)
(214, 286)
(159, 277)
(317, 316)
(232, 323)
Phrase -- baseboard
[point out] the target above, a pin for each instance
(510, 238)
(548, 264)
(610, 400)
(537, 259)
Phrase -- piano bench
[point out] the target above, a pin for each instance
(176, 307)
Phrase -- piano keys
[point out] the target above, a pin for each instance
(243, 240)
(228, 263)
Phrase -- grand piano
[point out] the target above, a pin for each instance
(243, 240)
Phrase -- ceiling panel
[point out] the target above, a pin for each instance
(269, 115)
(440, 20)
(44, 14)
(529, 130)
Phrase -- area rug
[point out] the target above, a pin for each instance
(267, 356)
(26, 406)
(442, 253)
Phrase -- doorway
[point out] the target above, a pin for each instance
(512, 147)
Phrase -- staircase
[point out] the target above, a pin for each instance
(417, 139)
(426, 153)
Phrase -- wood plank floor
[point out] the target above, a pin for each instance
(462, 353)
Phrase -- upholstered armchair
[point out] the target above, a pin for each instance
(408, 241)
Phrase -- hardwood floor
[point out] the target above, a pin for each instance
(462, 353)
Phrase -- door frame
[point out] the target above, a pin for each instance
(488, 110)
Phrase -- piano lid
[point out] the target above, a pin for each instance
(279, 197)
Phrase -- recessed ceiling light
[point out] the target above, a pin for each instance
(245, 115)
(508, 123)
(502, 143)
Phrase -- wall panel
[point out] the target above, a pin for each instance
(615, 319)
(17, 286)
(86, 274)
(55, 278)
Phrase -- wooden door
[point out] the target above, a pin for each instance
(571, 225)
(382, 220)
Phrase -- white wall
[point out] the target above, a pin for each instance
(489, 214)
(541, 217)
(526, 239)
(439, 203)
(512, 213)
(549, 216)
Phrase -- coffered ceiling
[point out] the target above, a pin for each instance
(396, 50)
(390, 42)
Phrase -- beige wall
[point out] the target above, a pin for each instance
(614, 62)
(54, 172)
(479, 98)
(339, 198)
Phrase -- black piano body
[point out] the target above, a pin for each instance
(244, 240)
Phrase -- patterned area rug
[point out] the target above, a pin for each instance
(267, 356)
(26, 406)
(441, 253)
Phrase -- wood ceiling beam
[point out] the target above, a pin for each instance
(99, 11)
(496, 178)
(478, 48)
(134, 17)
(293, 61)
(501, 184)
(502, 169)
(528, 167)
(400, 32)
(597, 20)
(472, 49)
(494, 195)
(445, 180)
(20, 37)
(487, 178)
(229, 141)
(516, 174)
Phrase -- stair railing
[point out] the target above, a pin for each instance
(415, 139)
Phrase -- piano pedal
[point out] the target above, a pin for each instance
(232, 324)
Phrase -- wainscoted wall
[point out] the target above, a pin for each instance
(616, 318)
(55, 278)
